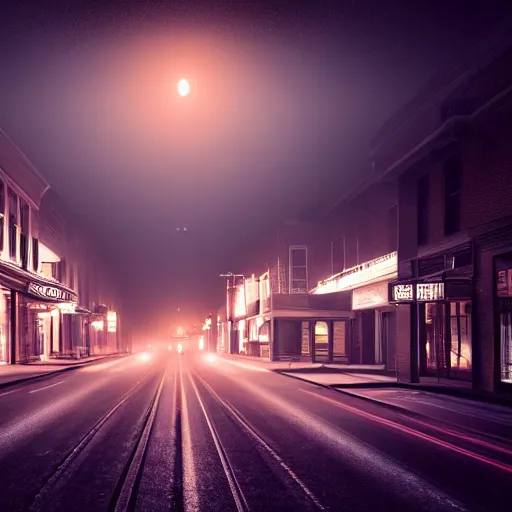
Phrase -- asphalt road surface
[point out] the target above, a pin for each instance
(199, 432)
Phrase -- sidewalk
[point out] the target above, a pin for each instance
(357, 378)
(300, 366)
(11, 373)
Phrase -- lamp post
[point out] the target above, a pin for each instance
(230, 306)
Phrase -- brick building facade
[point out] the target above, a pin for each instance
(269, 311)
(450, 154)
(418, 258)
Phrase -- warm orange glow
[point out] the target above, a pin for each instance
(183, 87)
(98, 325)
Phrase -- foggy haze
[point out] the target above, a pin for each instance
(282, 106)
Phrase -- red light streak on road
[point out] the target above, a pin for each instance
(463, 436)
(415, 433)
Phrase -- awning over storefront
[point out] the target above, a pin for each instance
(380, 269)
(34, 285)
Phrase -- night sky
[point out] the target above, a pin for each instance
(285, 97)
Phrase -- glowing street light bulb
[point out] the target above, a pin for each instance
(183, 87)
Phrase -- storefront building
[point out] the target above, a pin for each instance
(372, 332)
(434, 299)
(31, 312)
(493, 306)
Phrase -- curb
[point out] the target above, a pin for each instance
(321, 368)
(343, 389)
(41, 376)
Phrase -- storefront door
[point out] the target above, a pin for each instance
(368, 336)
(388, 328)
(321, 342)
(5, 325)
(447, 340)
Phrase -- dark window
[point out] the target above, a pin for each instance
(13, 223)
(423, 196)
(338, 255)
(63, 272)
(298, 270)
(57, 270)
(25, 214)
(24, 250)
(71, 277)
(2, 214)
(35, 254)
(393, 228)
(452, 186)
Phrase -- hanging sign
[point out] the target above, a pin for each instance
(403, 293)
(429, 292)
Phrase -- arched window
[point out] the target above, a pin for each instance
(321, 333)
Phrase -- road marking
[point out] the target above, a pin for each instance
(46, 387)
(245, 365)
(415, 433)
(95, 367)
(5, 393)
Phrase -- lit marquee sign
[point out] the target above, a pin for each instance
(427, 292)
(379, 269)
(421, 292)
(111, 321)
(403, 292)
(51, 293)
(239, 306)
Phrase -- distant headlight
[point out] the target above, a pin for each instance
(145, 356)
(211, 358)
(180, 348)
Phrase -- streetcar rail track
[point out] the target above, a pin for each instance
(61, 473)
(238, 417)
(236, 491)
(127, 494)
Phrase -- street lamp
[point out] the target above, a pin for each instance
(230, 306)
(183, 87)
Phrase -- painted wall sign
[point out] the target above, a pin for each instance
(51, 293)
(371, 296)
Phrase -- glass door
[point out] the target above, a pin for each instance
(321, 342)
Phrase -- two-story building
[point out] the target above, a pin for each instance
(90, 326)
(449, 151)
(41, 314)
(270, 312)
(356, 247)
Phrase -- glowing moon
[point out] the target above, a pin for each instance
(183, 87)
